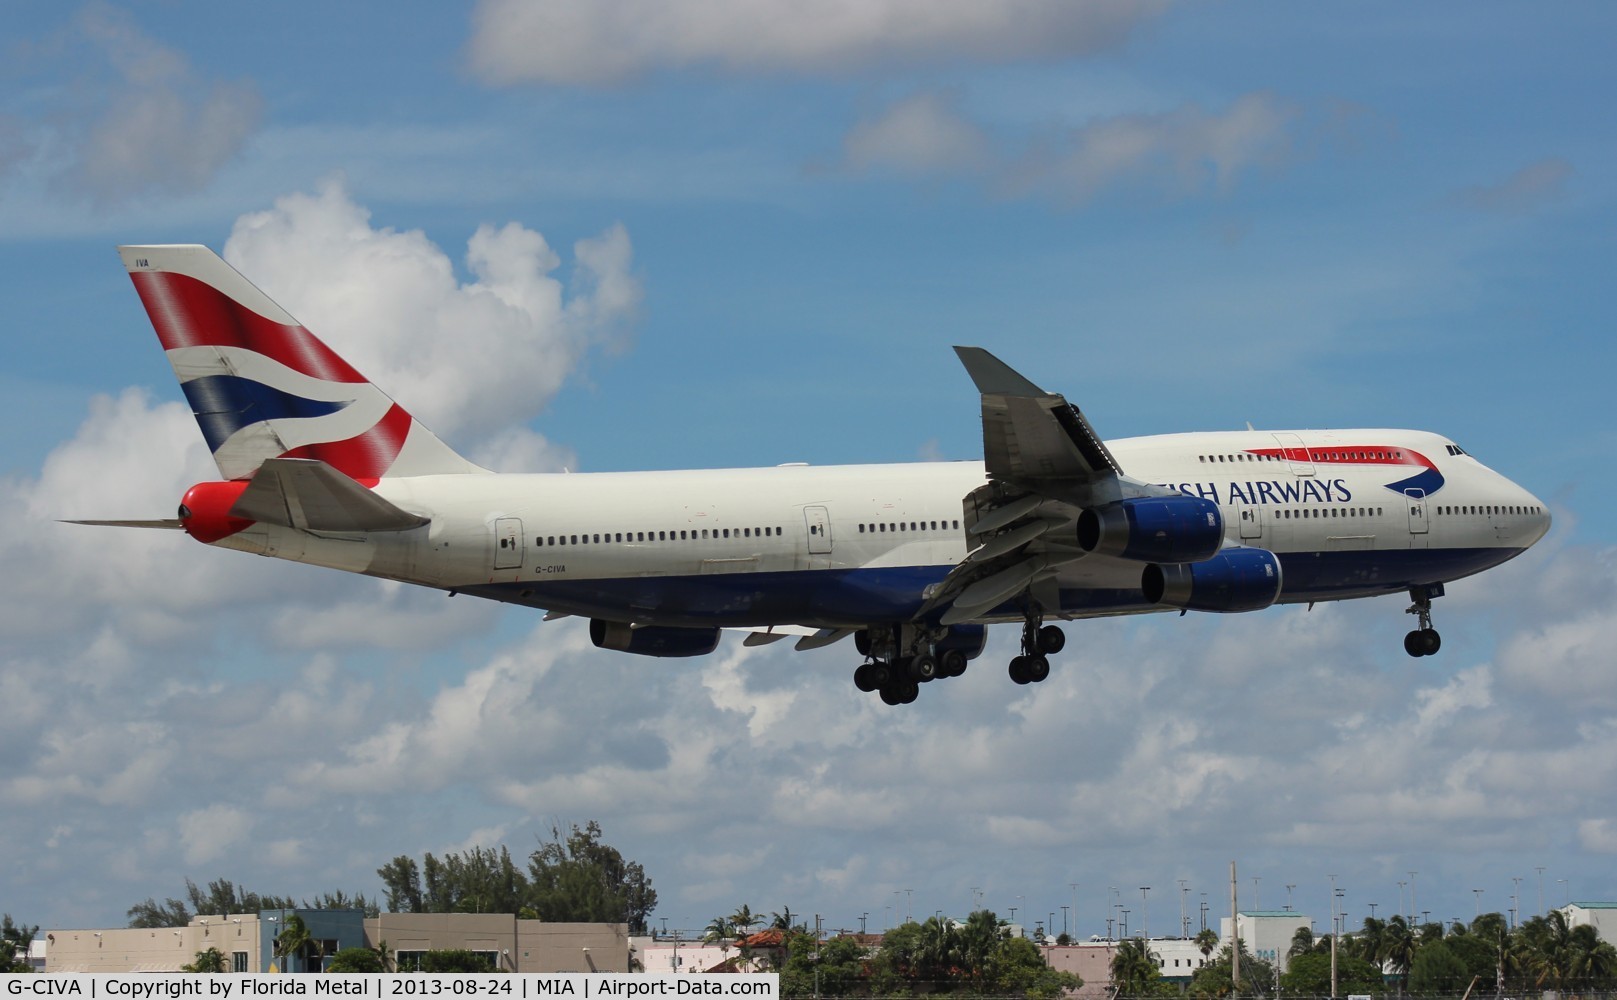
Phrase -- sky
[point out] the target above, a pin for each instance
(616, 235)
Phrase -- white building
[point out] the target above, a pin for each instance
(1266, 933)
(1601, 916)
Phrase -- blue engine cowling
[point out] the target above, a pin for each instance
(653, 640)
(969, 639)
(1153, 529)
(1233, 580)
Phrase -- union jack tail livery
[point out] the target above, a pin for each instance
(262, 386)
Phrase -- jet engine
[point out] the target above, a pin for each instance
(653, 640)
(1153, 529)
(1239, 579)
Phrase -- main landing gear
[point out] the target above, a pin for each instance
(1423, 641)
(897, 668)
(1039, 643)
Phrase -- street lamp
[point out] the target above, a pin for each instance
(1479, 901)
(1184, 918)
(1064, 926)
(1145, 918)
(1414, 907)
(1289, 886)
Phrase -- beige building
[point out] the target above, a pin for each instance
(161, 949)
(512, 945)
(247, 942)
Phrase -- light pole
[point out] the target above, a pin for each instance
(1022, 902)
(1372, 911)
(1145, 911)
(1540, 870)
(1123, 931)
(1255, 880)
(1184, 918)
(1289, 886)
(1074, 887)
(1478, 893)
(1567, 899)
(1204, 911)
(909, 894)
(1064, 926)
(1414, 907)
(1402, 896)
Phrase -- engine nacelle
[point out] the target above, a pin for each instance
(205, 510)
(1153, 529)
(1233, 580)
(653, 640)
(969, 639)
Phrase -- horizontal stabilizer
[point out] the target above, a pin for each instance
(310, 495)
(171, 523)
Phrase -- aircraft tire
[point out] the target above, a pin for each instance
(951, 663)
(1431, 642)
(1414, 645)
(1052, 640)
(891, 695)
(923, 667)
(909, 691)
(1038, 668)
(1019, 670)
(862, 678)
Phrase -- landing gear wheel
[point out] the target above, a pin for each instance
(923, 667)
(1037, 669)
(1019, 670)
(863, 680)
(908, 692)
(879, 673)
(1051, 640)
(861, 641)
(890, 695)
(1424, 640)
(1431, 642)
(951, 663)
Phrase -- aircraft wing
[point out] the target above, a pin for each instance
(1045, 464)
(1030, 436)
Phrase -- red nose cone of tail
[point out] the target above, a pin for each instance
(205, 510)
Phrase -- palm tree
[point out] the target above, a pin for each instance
(1398, 947)
(975, 942)
(718, 929)
(294, 939)
(384, 954)
(1134, 965)
(1302, 942)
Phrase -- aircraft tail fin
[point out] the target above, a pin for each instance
(262, 386)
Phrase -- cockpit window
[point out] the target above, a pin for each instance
(1455, 449)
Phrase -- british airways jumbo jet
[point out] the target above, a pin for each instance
(912, 561)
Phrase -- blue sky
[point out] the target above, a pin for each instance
(746, 236)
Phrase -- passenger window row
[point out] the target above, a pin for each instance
(1302, 513)
(1324, 455)
(1490, 509)
(882, 527)
(685, 535)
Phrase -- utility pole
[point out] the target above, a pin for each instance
(1540, 870)
(1289, 886)
(1235, 937)
(1074, 887)
(1414, 907)
(1333, 936)
(1184, 918)
(1145, 911)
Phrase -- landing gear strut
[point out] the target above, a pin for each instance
(1424, 640)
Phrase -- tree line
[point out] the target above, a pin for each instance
(977, 957)
(569, 877)
(1396, 958)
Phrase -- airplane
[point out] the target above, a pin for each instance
(912, 561)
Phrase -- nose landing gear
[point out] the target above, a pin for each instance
(1424, 640)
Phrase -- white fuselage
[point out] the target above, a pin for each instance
(849, 545)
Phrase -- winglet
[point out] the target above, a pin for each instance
(993, 376)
